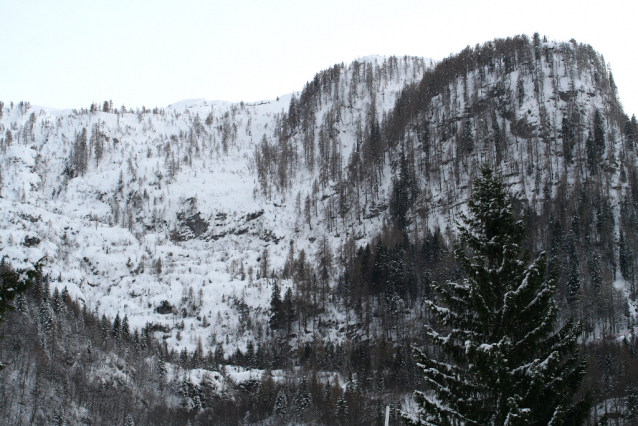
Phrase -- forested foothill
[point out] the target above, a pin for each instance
(277, 262)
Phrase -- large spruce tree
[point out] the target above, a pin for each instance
(503, 362)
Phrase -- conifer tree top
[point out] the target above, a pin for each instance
(491, 220)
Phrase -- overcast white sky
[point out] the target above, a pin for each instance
(69, 53)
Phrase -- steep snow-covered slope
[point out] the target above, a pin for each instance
(133, 208)
(179, 215)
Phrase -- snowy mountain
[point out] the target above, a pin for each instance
(135, 207)
(190, 217)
